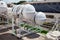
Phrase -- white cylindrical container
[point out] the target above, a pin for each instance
(28, 12)
(3, 4)
(29, 15)
(20, 8)
(3, 7)
(40, 18)
(14, 9)
(9, 10)
(17, 9)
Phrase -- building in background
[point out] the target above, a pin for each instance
(41, 0)
(49, 0)
(45, 0)
(9, 1)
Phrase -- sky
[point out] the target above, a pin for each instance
(9, 1)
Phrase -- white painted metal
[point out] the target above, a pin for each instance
(53, 35)
(3, 10)
(40, 18)
(27, 12)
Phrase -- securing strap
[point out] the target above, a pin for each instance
(34, 18)
(22, 11)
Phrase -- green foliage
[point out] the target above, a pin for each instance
(22, 24)
(20, 2)
(10, 21)
(38, 30)
(44, 31)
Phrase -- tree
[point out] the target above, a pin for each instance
(20, 2)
